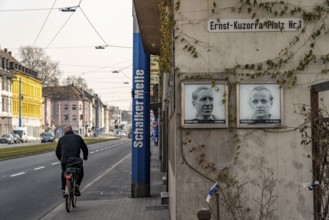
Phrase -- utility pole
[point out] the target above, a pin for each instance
(20, 102)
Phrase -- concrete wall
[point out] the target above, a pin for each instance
(276, 151)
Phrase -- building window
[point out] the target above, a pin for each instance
(74, 107)
(66, 107)
(3, 84)
(81, 117)
(80, 107)
(3, 104)
(66, 117)
(74, 117)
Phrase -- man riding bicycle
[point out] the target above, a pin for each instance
(70, 145)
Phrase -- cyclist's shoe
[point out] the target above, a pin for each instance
(77, 190)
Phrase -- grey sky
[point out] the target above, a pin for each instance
(73, 44)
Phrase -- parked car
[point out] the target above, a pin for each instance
(48, 137)
(7, 138)
(17, 139)
(110, 133)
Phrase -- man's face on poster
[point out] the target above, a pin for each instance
(260, 103)
(204, 103)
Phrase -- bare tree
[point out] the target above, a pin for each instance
(77, 81)
(36, 59)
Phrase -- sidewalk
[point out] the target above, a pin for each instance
(110, 197)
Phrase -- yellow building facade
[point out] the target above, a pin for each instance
(31, 91)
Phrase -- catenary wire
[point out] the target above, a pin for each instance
(44, 22)
(31, 9)
(93, 26)
(59, 31)
(104, 68)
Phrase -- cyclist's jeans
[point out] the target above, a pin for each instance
(80, 176)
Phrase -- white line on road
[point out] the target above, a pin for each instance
(39, 168)
(92, 152)
(17, 174)
(55, 163)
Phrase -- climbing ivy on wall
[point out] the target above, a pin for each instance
(166, 27)
(281, 68)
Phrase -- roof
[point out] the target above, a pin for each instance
(62, 93)
(148, 16)
(8, 56)
(17, 66)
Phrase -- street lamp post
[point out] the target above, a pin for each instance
(20, 103)
(86, 130)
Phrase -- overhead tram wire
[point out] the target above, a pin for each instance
(74, 47)
(59, 31)
(111, 88)
(104, 68)
(80, 47)
(28, 9)
(112, 66)
(44, 22)
(125, 74)
(106, 44)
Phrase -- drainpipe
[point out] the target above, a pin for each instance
(164, 128)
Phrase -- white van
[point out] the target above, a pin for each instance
(22, 132)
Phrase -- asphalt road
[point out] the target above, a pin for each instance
(30, 186)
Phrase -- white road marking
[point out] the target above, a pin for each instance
(39, 168)
(17, 174)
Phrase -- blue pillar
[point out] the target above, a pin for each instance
(140, 181)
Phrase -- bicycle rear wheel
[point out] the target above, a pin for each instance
(68, 203)
(74, 197)
(68, 197)
(74, 201)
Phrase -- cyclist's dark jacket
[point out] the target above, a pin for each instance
(69, 146)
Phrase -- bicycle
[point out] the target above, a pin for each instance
(70, 185)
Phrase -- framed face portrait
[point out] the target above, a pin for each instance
(259, 105)
(204, 104)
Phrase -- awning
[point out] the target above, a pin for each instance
(148, 16)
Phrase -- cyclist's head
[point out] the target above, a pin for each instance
(67, 128)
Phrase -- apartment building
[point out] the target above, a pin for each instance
(70, 105)
(67, 105)
(21, 97)
(6, 78)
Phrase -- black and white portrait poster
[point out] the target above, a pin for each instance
(204, 104)
(259, 105)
